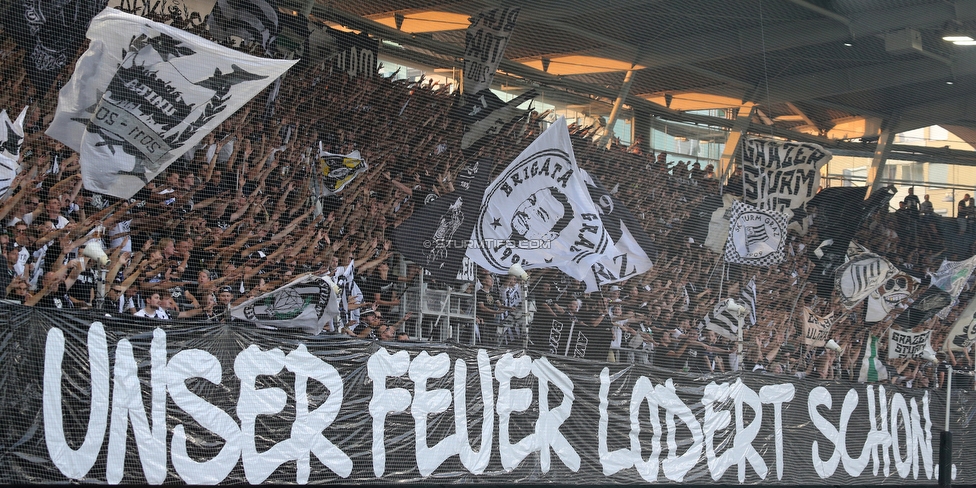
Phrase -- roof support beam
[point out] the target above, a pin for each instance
(743, 115)
(881, 154)
(617, 105)
(754, 40)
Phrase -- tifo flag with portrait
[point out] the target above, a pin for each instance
(859, 277)
(435, 235)
(307, 303)
(144, 93)
(335, 171)
(251, 20)
(816, 329)
(636, 249)
(756, 237)
(11, 140)
(538, 213)
(963, 332)
(892, 293)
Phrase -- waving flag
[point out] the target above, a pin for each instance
(952, 277)
(145, 93)
(538, 213)
(963, 332)
(756, 237)
(251, 20)
(436, 235)
(336, 171)
(636, 249)
(859, 277)
(306, 303)
(11, 140)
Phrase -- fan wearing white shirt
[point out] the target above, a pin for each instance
(152, 309)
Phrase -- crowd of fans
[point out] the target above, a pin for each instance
(235, 218)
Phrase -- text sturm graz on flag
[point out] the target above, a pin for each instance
(697, 429)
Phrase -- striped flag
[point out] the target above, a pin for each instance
(749, 295)
(872, 367)
(722, 321)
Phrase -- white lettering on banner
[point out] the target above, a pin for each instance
(901, 426)
(381, 366)
(127, 406)
(703, 435)
(918, 439)
(75, 464)
(546, 433)
(194, 363)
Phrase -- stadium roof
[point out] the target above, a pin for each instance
(829, 71)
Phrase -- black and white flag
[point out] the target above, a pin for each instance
(484, 46)
(538, 213)
(336, 171)
(486, 114)
(52, 31)
(859, 277)
(637, 252)
(307, 303)
(11, 140)
(145, 93)
(722, 321)
(906, 344)
(924, 307)
(251, 20)
(749, 297)
(436, 235)
(816, 329)
(779, 175)
(892, 293)
(952, 277)
(708, 224)
(962, 335)
(756, 237)
(840, 212)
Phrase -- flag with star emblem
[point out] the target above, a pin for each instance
(144, 93)
(538, 213)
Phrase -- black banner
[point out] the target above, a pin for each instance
(101, 399)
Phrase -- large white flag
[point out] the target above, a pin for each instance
(11, 140)
(538, 213)
(636, 248)
(816, 329)
(857, 278)
(963, 332)
(306, 303)
(951, 278)
(144, 93)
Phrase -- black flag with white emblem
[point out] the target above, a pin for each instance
(436, 235)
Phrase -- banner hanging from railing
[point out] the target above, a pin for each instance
(121, 400)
